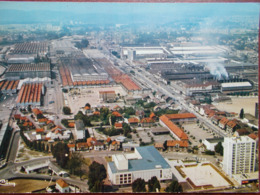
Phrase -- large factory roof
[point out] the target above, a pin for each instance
(29, 67)
(236, 84)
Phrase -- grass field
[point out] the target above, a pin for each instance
(25, 185)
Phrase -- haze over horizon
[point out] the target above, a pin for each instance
(126, 13)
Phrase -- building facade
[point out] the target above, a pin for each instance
(144, 163)
(239, 155)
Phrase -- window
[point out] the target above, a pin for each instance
(160, 173)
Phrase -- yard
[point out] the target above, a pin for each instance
(25, 186)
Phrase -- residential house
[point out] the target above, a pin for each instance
(98, 145)
(215, 119)
(81, 146)
(118, 126)
(72, 147)
(115, 145)
(62, 186)
(177, 145)
(231, 126)
(223, 123)
(147, 122)
(153, 116)
(241, 132)
(159, 146)
(40, 131)
(133, 121)
(43, 121)
(117, 115)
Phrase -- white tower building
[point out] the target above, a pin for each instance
(239, 155)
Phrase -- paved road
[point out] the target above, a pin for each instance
(166, 90)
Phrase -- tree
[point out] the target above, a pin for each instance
(97, 172)
(75, 163)
(241, 115)
(66, 110)
(98, 187)
(219, 148)
(65, 122)
(138, 185)
(126, 129)
(153, 184)
(174, 187)
(87, 104)
(61, 153)
(29, 108)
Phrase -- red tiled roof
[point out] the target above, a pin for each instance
(71, 125)
(118, 125)
(117, 114)
(62, 183)
(180, 116)
(224, 121)
(242, 132)
(49, 121)
(253, 136)
(152, 115)
(231, 124)
(177, 142)
(133, 120)
(176, 130)
(108, 139)
(91, 139)
(41, 120)
(36, 111)
(71, 145)
(17, 116)
(87, 108)
(147, 120)
(96, 113)
(158, 145)
(105, 92)
(39, 130)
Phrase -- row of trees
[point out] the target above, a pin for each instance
(35, 145)
(154, 186)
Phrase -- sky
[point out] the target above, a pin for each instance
(10, 11)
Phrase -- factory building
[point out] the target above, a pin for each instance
(144, 163)
(30, 94)
(107, 96)
(9, 86)
(22, 71)
(236, 86)
(133, 53)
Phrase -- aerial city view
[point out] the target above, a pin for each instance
(128, 97)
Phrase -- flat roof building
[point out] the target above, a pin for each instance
(144, 163)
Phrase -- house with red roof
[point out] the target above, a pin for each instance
(62, 186)
(153, 116)
(159, 146)
(117, 114)
(223, 123)
(71, 147)
(40, 131)
(231, 126)
(118, 125)
(178, 133)
(133, 121)
(115, 145)
(147, 122)
(177, 145)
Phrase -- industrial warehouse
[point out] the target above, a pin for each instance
(30, 94)
(22, 71)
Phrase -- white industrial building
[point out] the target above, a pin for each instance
(210, 143)
(234, 86)
(239, 155)
(144, 163)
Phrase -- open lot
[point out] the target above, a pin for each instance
(91, 96)
(247, 103)
(25, 186)
(194, 130)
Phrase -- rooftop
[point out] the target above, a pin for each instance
(151, 159)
